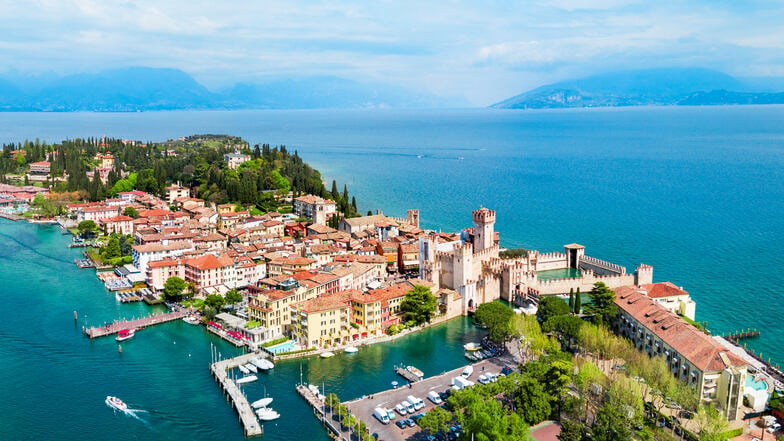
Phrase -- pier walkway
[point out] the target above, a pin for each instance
(250, 422)
(408, 375)
(115, 327)
(319, 410)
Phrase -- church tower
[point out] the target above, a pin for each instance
(484, 229)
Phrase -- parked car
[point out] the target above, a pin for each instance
(401, 423)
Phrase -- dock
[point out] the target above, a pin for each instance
(740, 335)
(250, 422)
(319, 410)
(115, 327)
(10, 216)
(405, 373)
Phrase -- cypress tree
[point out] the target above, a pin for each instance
(334, 192)
(571, 299)
(578, 304)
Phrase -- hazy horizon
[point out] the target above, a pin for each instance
(480, 53)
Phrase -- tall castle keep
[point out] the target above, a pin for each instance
(471, 267)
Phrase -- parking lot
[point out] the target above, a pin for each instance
(363, 407)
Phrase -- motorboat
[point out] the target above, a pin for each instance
(350, 350)
(243, 369)
(468, 371)
(262, 363)
(251, 367)
(116, 403)
(246, 379)
(191, 320)
(125, 334)
(327, 354)
(264, 402)
(267, 414)
(473, 346)
(416, 372)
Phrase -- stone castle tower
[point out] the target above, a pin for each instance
(484, 229)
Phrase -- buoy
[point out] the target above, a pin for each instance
(76, 316)
(119, 349)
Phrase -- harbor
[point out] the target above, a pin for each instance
(240, 403)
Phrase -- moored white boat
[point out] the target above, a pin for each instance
(473, 346)
(125, 334)
(246, 379)
(327, 354)
(191, 320)
(350, 350)
(415, 371)
(267, 414)
(262, 363)
(251, 367)
(264, 402)
(116, 403)
(243, 369)
(314, 389)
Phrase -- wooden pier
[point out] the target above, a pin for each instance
(139, 323)
(250, 422)
(319, 412)
(10, 216)
(740, 335)
(408, 375)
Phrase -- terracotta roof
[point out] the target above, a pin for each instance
(120, 218)
(698, 348)
(311, 199)
(153, 213)
(664, 289)
(324, 303)
(153, 247)
(163, 263)
(209, 261)
(382, 294)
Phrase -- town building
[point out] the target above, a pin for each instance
(39, 171)
(317, 209)
(175, 191)
(322, 321)
(234, 160)
(718, 375)
(117, 224)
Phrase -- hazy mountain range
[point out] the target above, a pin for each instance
(650, 87)
(142, 89)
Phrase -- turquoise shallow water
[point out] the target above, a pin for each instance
(695, 192)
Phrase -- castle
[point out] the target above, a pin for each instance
(471, 266)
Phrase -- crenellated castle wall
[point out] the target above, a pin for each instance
(600, 266)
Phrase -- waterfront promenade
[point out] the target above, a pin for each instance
(115, 327)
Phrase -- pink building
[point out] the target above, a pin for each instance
(117, 224)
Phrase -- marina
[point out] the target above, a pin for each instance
(247, 415)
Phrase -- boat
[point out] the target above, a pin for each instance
(243, 369)
(125, 334)
(251, 367)
(267, 414)
(472, 346)
(416, 372)
(327, 354)
(471, 356)
(264, 402)
(116, 403)
(246, 379)
(314, 390)
(191, 320)
(350, 350)
(468, 371)
(262, 363)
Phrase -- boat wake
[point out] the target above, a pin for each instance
(133, 413)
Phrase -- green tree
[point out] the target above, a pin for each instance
(571, 299)
(112, 248)
(45, 206)
(498, 319)
(531, 401)
(131, 212)
(210, 312)
(215, 300)
(86, 226)
(566, 326)
(578, 302)
(711, 424)
(602, 307)
(551, 306)
(233, 297)
(611, 424)
(571, 431)
(436, 420)
(419, 304)
(332, 400)
(173, 288)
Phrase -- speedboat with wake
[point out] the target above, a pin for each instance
(116, 403)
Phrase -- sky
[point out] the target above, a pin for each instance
(482, 51)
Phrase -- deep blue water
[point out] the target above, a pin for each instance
(695, 192)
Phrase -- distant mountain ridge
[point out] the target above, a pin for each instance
(674, 86)
(144, 89)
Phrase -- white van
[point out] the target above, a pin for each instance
(418, 404)
(401, 409)
(409, 407)
(381, 415)
(434, 397)
(461, 383)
